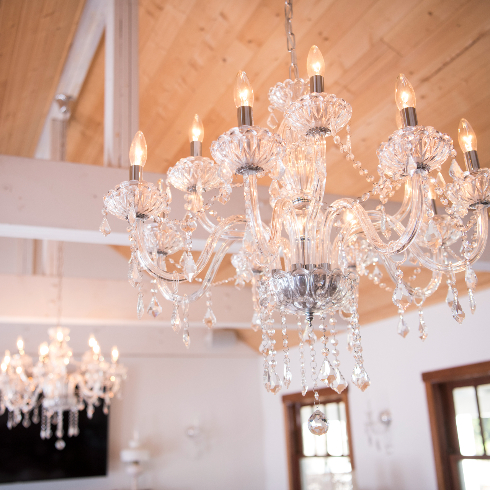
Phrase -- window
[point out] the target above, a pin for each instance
(318, 461)
(459, 409)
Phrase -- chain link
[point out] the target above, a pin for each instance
(291, 39)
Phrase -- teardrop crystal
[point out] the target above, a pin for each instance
(140, 307)
(457, 311)
(175, 319)
(472, 299)
(287, 377)
(317, 423)
(186, 338)
(470, 278)
(154, 307)
(104, 227)
(403, 327)
(209, 318)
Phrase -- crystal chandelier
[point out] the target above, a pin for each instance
(57, 384)
(308, 259)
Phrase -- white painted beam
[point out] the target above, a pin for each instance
(32, 300)
(87, 38)
(121, 104)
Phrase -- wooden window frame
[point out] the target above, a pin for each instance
(292, 404)
(439, 386)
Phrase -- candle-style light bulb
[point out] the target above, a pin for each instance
(196, 136)
(115, 354)
(137, 156)
(43, 349)
(20, 345)
(96, 348)
(196, 131)
(468, 144)
(466, 136)
(315, 64)
(404, 93)
(92, 341)
(59, 335)
(405, 101)
(6, 359)
(243, 93)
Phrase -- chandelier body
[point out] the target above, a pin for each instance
(57, 384)
(307, 261)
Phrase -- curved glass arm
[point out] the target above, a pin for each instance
(409, 232)
(420, 293)
(213, 268)
(460, 265)
(210, 227)
(401, 214)
(145, 260)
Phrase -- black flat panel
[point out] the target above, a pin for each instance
(24, 456)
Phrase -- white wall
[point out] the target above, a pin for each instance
(167, 390)
(395, 366)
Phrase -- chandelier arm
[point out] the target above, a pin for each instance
(417, 292)
(253, 215)
(409, 232)
(311, 227)
(326, 230)
(402, 213)
(146, 261)
(206, 283)
(210, 227)
(459, 266)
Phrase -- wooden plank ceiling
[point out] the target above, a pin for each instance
(190, 52)
(35, 37)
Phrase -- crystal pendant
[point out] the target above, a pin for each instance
(401, 297)
(189, 266)
(457, 311)
(26, 421)
(266, 378)
(140, 307)
(104, 227)
(256, 321)
(327, 372)
(450, 297)
(287, 377)
(209, 319)
(470, 278)
(471, 297)
(239, 282)
(175, 319)
(422, 326)
(186, 338)
(339, 384)
(317, 423)
(455, 170)
(403, 327)
(304, 389)
(276, 383)
(360, 378)
(272, 121)
(60, 444)
(134, 273)
(264, 346)
(154, 307)
(377, 275)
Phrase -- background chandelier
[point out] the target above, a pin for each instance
(307, 261)
(57, 384)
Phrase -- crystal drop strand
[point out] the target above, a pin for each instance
(134, 273)
(304, 386)
(401, 297)
(175, 318)
(285, 344)
(185, 322)
(105, 408)
(429, 212)
(422, 326)
(26, 421)
(359, 376)
(49, 432)
(384, 222)
(10, 420)
(313, 364)
(43, 423)
(104, 227)
(264, 349)
(276, 383)
(209, 318)
(70, 423)
(140, 305)
(338, 384)
(327, 372)
(76, 430)
(452, 299)
(35, 415)
(402, 324)
(470, 275)
(256, 306)
(154, 307)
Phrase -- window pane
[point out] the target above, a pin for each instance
(336, 429)
(467, 421)
(474, 474)
(484, 402)
(309, 443)
(326, 474)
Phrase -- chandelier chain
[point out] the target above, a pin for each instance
(291, 39)
(60, 280)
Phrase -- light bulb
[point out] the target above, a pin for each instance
(196, 131)
(404, 93)
(115, 354)
(59, 335)
(18, 370)
(20, 345)
(43, 349)
(96, 348)
(315, 63)
(4, 367)
(466, 136)
(138, 152)
(244, 94)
